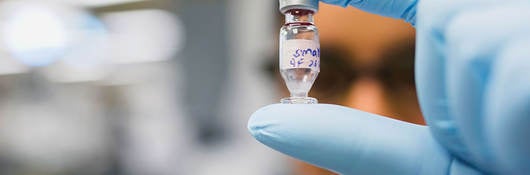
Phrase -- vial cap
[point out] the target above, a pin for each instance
(286, 5)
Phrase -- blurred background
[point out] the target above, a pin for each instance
(165, 87)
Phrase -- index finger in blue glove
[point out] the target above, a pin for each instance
(431, 70)
(349, 141)
(508, 111)
(471, 55)
(402, 9)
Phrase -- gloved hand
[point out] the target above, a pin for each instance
(473, 64)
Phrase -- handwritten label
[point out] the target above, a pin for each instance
(300, 53)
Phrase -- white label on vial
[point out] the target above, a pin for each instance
(300, 53)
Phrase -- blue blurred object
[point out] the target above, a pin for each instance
(472, 67)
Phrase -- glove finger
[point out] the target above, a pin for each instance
(508, 108)
(431, 66)
(470, 54)
(348, 141)
(402, 9)
(430, 71)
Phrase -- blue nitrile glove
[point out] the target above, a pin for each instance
(473, 69)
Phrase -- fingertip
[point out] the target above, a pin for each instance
(262, 120)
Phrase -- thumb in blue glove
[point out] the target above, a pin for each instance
(402, 9)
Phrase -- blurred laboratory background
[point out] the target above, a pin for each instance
(165, 87)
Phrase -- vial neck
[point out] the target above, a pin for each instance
(299, 16)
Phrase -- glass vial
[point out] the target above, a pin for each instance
(299, 50)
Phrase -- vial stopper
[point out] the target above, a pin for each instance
(286, 5)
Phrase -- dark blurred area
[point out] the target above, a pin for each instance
(165, 87)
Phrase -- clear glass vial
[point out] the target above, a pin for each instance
(299, 50)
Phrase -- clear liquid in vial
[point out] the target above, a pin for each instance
(299, 80)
